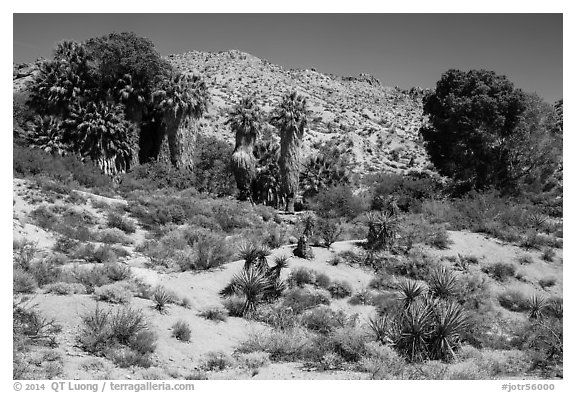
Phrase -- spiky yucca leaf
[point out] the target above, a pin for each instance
(409, 291)
(380, 326)
(412, 331)
(450, 324)
(382, 229)
(536, 304)
(251, 285)
(442, 283)
(254, 255)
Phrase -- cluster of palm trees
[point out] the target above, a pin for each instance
(245, 120)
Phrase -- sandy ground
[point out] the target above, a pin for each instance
(176, 359)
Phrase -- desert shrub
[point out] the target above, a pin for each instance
(554, 307)
(386, 303)
(329, 230)
(113, 236)
(348, 342)
(525, 259)
(363, 297)
(30, 162)
(439, 239)
(500, 271)
(23, 282)
(301, 276)
(91, 253)
(126, 357)
(277, 316)
(275, 235)
(91, 277)
(352, 257)
(547, 282)
(30, 326)
(115, 220)
(474, 292)
(143, 342)
(118, 293)
(514, 300)
(382, 362)
(338, 202)
(234, 305)
(340, 289)
(45, 272)
(548, 255)
(24, 253)
(64, 288)
(216, 361)
(408, 190)
(382, 281)
(253, 361)
(214, 314)
(211, 251)
(181, 331)
(301, 299)
(282, 345)
(321, 319)
(116, 271)
(322, 280)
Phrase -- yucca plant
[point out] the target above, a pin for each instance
(537, 304)
(382, 230)
(380, 326)
(252, 285)
(450, 322)
(254, 255)
(280, 262)
(162, 298)
(291, 119)
(245, 120)
(412, 331)
(409, 291)
(442, 283)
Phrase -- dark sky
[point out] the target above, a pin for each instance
(400, 49)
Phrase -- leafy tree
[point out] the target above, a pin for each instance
(245, 120)
(291, 118)
(472, 116)
(212, 166)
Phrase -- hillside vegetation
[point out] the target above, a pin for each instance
(214, 216)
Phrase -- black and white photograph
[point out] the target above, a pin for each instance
(287, 196)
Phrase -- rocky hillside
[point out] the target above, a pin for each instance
(376, 126)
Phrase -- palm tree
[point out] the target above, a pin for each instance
(291, 119)
(245, 120)
(181, 99)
